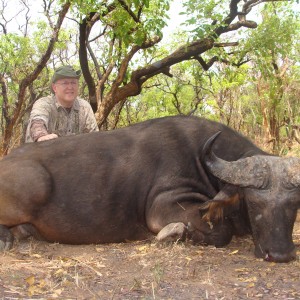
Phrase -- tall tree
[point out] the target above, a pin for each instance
(214, 19)
(272, 49)
(10, 58)
(117, 48)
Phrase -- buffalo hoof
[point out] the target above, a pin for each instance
(220, 235)
(278, 257)
(172, 232)
(6, 238)
(25, 231)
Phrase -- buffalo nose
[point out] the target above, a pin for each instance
(280, 257)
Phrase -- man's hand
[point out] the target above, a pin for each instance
(47, 137)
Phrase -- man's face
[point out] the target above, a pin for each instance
(66, 91)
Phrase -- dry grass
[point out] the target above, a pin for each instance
(145, 270)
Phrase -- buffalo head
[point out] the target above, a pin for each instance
(270, 186)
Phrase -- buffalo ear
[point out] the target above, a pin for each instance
(227, 198)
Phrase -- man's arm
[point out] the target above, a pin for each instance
(38, 131)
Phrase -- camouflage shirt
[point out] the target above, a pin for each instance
(59, 120)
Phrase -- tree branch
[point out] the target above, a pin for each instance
(130, 12)
(190, 51)
(3, 84)
(229, 44)
(139, 76)
(31, 77)
(84, 30)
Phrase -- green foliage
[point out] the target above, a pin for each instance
(201, 15)
(122, 25)
(272, 49)
(244, 97)
(15, 50)
(278, 33)
(19, 56)
(185, 93)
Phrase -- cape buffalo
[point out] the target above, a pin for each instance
(169, 176)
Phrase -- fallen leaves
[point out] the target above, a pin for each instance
(30, 280)
(249, 279)
(144, 270)
(50, 277)
(41, 287)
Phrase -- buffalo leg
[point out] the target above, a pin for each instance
(24, 189)
(172, 232)
(184, 221)
(24, 231)
(219, 236)
(6, 238)
(180, 232)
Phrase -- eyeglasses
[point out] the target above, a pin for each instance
(67, 83)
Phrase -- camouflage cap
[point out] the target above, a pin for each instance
(65, 72)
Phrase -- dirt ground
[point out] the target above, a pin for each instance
(145, 270)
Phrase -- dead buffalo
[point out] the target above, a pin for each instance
(156, 177)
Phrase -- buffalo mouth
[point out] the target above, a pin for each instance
(273, 256)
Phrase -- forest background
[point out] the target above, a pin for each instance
(235, 61)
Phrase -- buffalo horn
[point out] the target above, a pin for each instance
(246, 172)
(292, 171)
